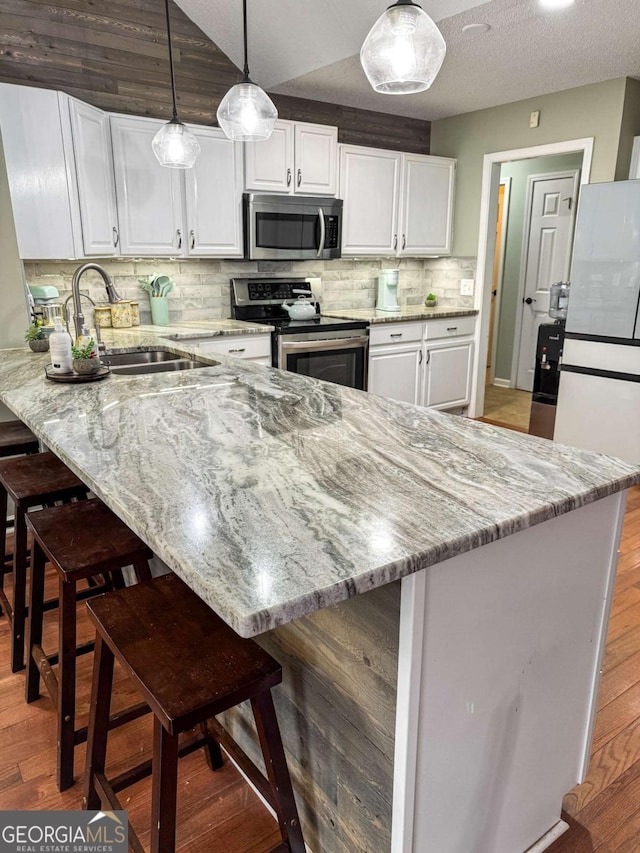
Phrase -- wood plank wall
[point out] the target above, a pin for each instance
(114, 55)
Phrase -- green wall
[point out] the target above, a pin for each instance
(595, 110)
(630, 128)
(519, 171)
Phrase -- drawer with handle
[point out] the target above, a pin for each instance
(240, 346)
(449, 327)
(395, 333)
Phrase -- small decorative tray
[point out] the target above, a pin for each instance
(102, 373)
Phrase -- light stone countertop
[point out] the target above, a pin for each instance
(274, 495)
(404, 315)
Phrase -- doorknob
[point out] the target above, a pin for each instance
(494, 292)
(528, 300)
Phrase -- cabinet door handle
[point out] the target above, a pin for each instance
(288, 177)
(396, 335)
(404, 241)
(452, 328)
(179, 236)
(299, 177)
(428, 356)
(240, 349)
(116, 236)
(395, 242)
(192, 235)
(420, 359)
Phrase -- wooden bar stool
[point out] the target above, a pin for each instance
(189, 666)
(15, 440)
(30, 481)
(83, 541)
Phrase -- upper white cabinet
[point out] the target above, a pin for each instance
(149, 196)
(297, 158)
(395, 204)
(35, 128)
(214, 197)
(94, 171)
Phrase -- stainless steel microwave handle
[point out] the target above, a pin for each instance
(323, 232)
(329, 343)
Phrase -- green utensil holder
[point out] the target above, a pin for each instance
(159, 310)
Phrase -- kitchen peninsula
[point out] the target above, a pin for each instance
(436, 589)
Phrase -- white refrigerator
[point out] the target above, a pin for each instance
(599, 393)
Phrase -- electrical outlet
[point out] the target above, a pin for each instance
(466, 286)
(534, 119)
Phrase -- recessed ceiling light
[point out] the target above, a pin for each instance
(475, 29)
(556, 4)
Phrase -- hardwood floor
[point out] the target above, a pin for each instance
(220, 812)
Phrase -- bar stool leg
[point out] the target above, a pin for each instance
(34, 638)
(66, 683)
(164, 789)
(276, 763)
(3, 536)
(212, 751)
(19, 591)
(98, 722)
(142, 570)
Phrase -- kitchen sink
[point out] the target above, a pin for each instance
(158, 367)
(156, 356)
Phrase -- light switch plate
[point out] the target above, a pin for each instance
(466, 286)
(534, 119)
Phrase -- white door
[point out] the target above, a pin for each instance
(369, 184)
(427, 205)
(269, 163)
(149, 196)
(214, 196)
(552, 201)
(447, 380)
(96, 183)
(395, 372)
(316, 159)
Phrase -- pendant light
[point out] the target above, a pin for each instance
(404, 50)
(174, 145)
(247, 113)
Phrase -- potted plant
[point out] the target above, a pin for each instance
(431, 301)
(85, 359)
(158, 287)
(36, 337)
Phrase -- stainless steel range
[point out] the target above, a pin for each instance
(322, 347)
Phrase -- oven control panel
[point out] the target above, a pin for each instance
(260, 290)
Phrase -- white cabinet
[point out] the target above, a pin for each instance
(427, 364)
(35, 132)
(149, 195)
(175, 212)
(395, 204)
(214, 197)
(297, 158)
(94, 172)
(255, 348)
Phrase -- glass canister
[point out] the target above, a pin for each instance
(559, 300)
(121, 314)
(102, 316)
(135, 313)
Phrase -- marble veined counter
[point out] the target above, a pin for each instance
(414, 312)
(274, 495)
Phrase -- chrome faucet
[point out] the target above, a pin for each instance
(78, 316)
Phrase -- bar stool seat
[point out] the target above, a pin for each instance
(189, 666)
(84, 540)
(16, 439)
(31, 481)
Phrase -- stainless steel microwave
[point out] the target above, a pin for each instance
(292, 228)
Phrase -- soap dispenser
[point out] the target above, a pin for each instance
(60, 349)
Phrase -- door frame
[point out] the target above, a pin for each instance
(506, 183)
(487, 239)
(531, 181)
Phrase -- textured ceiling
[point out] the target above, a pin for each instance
(313, 47)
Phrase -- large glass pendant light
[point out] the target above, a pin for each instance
(174, 145)
(404, 50)
(247, 113)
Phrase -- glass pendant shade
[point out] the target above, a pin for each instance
(247, 113)
(175, 146)
(404, 51)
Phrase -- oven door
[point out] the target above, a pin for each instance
(343, 361)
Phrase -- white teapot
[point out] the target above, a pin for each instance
(301, 309)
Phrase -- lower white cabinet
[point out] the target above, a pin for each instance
(255, 348)
(426, 364)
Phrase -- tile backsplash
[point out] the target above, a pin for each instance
(202, 286)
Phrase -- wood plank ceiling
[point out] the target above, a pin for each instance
(114, 55)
